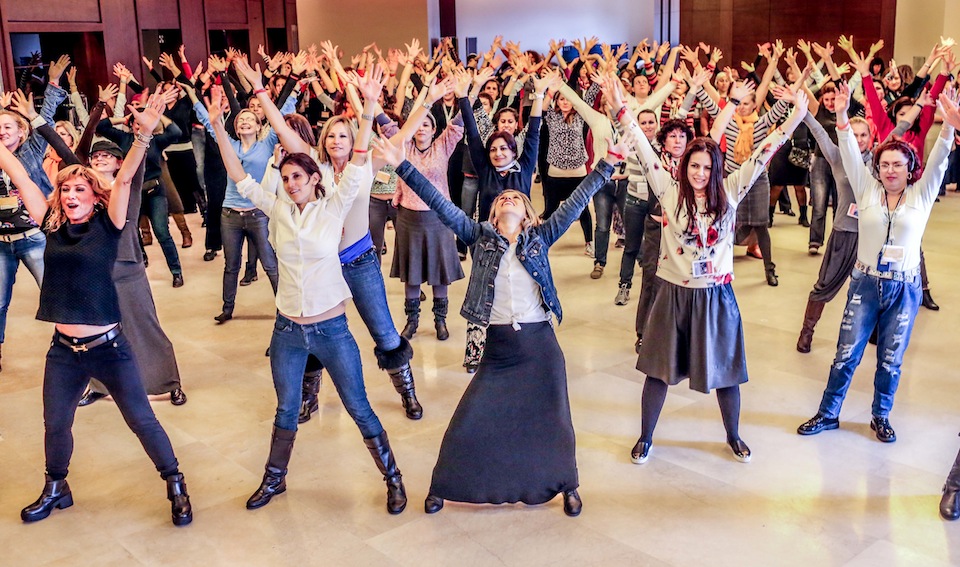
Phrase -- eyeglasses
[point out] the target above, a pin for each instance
(897, 166)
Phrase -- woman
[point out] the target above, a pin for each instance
(694, 330)
(52, 161)
(885, 288)
(311, 300)
(83, 221)
(511, 438)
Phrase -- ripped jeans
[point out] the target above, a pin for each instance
(889, 305)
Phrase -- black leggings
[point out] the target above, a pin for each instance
(66, 376)
(558, 189)
(655, 393)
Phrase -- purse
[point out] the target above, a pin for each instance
(800, 157)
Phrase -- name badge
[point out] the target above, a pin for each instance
(382, 177)
(702, 268)
(891, 257)
(853, 212)
(9, 203)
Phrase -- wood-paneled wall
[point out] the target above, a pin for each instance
(121, 22)
(737, 26)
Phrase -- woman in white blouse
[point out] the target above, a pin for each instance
(311, 298)
(694, 330)
(893, 206)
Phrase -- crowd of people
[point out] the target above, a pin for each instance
(308, 160)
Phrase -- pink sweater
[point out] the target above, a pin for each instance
(432, 163)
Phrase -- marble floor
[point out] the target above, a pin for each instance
(840, 498)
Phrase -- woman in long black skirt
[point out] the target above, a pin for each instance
(511, 438)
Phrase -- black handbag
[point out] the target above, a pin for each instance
(800, 157)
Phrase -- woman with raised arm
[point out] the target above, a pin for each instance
(311, 300)
(83, 220)
(885, 289)
(694, 331)
(511, 438)
(359, 260)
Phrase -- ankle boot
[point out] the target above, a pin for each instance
(397, 364)
(771, 275)
(412, 308)
(180, 508)
(311, 390)
(950, 502)
(146, 237)
(440, 306)
(56, 494)
(810, 318)
(928, 301)
(803, 220)
(379, 448)
(274, 477)
(770, 220)
(184, 230)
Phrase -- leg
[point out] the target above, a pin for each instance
(255, 228)
(729, 400)
(801, 192)
(820, 177)
(441, 305)
(250, 270)
(411, 307)
(927, 301)
(215, 181)
(654, 394)
(766, 250)
(634, 213)
(231, 234)
(157, 203)
(9, 263)
(378, 222)
(63, 385)
(603, 201)
(950, 503)
(898, 313)
(468, 198)
(775, 191)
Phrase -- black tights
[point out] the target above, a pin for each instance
(655, 393)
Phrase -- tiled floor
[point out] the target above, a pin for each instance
(841, 498)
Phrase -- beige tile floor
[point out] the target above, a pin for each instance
(841, 498)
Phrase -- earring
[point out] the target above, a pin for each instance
(909, 176)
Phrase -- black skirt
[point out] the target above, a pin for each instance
(426, 250)
(782, 172)
(694, 333)
(511, 438)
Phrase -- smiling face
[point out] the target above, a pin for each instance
(338, 142)
(507, 122)
(893, 165)
(77, 199)
(424, 134)
(648, 124)
(861, 132)
(105, 164)
(299, 185)
(698, 170)
(492, 89)
(12, 133)
(510, 203)
(748, 105)
(828, 100)
(246, 123)
(501, 154)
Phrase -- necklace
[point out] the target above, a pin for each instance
(337, 176)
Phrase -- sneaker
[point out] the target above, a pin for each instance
(623, 295)
(597, 272)
(814, 249)
(588, 249)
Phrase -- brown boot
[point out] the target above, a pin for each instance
(810, 318)
(145, 236)
(184, 230)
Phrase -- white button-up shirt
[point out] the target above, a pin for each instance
(306, 243)
(516, 295)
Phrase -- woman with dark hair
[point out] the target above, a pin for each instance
(511, 438)
(83, 220)
(306, 229)
(885, 291)
(694, 330)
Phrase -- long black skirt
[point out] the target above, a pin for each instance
(836, 266)
(511, 438)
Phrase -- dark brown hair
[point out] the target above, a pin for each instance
(301, 126)
(716, 196)
(508, 139)
(308, 165)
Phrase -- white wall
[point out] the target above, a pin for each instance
(352, 25)
(534, 22)
(920, 23)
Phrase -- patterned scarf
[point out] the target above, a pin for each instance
(744, 146)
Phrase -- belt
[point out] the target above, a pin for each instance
(74, 344)
(902, 276)
(8, 238)
(148, 185)
(249, 213)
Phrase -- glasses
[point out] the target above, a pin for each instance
(897, 166)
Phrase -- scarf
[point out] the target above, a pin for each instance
(512, 167)
(744, 146)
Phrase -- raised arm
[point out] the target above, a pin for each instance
(858, 173)
(738, 91)
(434, 92)
(289, 139)
(33, 199)
(145, 121)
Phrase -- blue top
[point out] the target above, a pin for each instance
(31, 152)
(254, 159)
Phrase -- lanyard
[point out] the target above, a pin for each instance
(890, 218)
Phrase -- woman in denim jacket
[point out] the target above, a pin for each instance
(511, 438)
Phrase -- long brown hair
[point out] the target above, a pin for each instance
(309, 166)
(716, 196)
(101, 190)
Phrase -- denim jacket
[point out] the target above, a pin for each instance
(489, 246)
(31, 152)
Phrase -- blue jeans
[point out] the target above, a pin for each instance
(634, 213)
(234, 226)
(468, 196)
(155, 206)
(603, 202)
(365, 280)
(331, 342)
(889, 305)
(27, 250)
(822, 188)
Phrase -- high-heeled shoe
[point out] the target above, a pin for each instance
(56, 494)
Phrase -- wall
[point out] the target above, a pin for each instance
(391, 23)
(920, 23)
(534, 22)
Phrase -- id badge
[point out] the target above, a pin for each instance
(853, 212)
(9, 203)
(702, 268)
(892, 256)
(382, 177)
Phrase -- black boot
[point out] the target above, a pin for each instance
(803, 221)
(379, 448)
(412, 308)
(771, 275)
(432, 504)
(56, 494)
(180, 508)
(440, 306)
(274, 479)
(950, 502)
(928, 301)
(397, 363)
(311, 389)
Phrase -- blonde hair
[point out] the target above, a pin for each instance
(530, 219)
(321, 143)
(56, 217)
(72, 130)
(21, 121)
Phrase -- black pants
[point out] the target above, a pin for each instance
(649, 256)
(557, 190)
(634, 214)
(215, 180)
(380, 211)
(183, 169)
(65, 378)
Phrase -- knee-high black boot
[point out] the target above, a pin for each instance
(311, 390)
(274, 478)
(412, 309)
(397, 364)
(379, 448)
(440, 307)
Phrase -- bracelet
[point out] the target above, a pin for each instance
(844, 127)
(711, 67)
(615, 154)
(735, 101)
(367, 117)
(538, 96)
(621, 112)
(140, 144)
(145, 138)
(259, 91)
(356, 151)
(427, 105)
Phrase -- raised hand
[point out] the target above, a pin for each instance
(24, 105)
(546, 80)
(482, 76)
(804, 46)
(845, 43)
(610, 87)
(689, 54)
(182, 52)
(699, 78)
(330, 50)
(263, 53)
(781, 92)
(664, 48)
(748, 67)
(390, 153)
(590, 43)
(57, 68)
(5, 99)
(741, 90)
(171, 95)
(715, 56)
(216, 64)
(842, 102)
(461, 87)
(253, 76)
(298, 65)
(147, 62)
(764, 50)
(625, 145)
(371, 83)
(72, 78)
(167, 61)
(215, 103)
(949, 109)
(875, 48)
(777, 49)
(148, 118)
(823, 51)
(107, 93)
